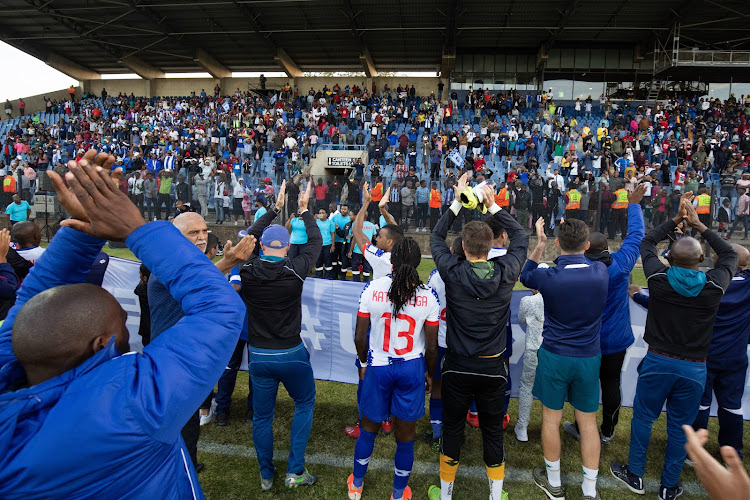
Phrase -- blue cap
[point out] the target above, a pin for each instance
(275, 236)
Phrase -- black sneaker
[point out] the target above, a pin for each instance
(199, 467)
(633, 482)
(249, 416)
(552, 492)
(670, 493)
(222, 418)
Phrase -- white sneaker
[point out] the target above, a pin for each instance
(521, 433)
(205, 419)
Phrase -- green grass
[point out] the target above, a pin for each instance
(227, 477)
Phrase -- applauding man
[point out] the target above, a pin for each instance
(61, 354)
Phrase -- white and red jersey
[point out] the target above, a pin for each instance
(401, 336)
(438, 285)
(379, 260)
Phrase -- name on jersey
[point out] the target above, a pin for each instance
(418, 301)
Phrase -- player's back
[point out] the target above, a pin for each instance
(399, 336)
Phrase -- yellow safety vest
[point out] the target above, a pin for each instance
(622, 199)
(574, 200)
(704, 204)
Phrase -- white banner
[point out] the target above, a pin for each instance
(329, 310)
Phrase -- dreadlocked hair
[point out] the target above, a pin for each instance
(405, 257)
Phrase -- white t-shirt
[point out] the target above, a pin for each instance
(379, 260)
(31, 254)
(401, 337)
(438, 285)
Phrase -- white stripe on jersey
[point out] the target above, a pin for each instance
(438, 285)
(379, 260)
(401, 337)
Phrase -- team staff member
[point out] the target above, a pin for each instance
(57, 366)
(378, 257)
(683, 302)
(272, 289)
(396, 364)
(478, 293)
(570, 354)
(616, 334)
(726, 362)
(339, 219)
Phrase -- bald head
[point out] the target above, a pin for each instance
(62, 327)
(686, 252)
(193, 227)
(598, 243)
(26, 234)
(743, 255)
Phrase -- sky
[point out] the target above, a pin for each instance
(26, 75)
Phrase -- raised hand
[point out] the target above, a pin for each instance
(304, 197)
(540, 234)
(107, 212)
(488, 196)
(720, 482)
(637, 195)
(4, 245)
(460, 186)
(691, 217)
(241, 252)
(384, 201)
(281, 196)
(65, 195)
(366, 195)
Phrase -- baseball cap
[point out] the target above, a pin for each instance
(275, 236)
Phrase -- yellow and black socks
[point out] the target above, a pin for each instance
(496, 475)
(448, 469)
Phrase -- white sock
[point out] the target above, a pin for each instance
(553, 473)
(496, 489)
(589, 482)
(446, 490)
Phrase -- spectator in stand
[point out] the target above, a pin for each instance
(743, 211)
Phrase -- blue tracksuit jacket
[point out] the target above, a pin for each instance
(110, 428)
(617, 333)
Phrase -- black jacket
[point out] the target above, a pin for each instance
(478, 309)
(677, 325)
(273, 293)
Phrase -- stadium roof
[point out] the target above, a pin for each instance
(153, 37)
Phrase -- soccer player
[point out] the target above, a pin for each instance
(436, 400)
(478, 293)
(402, 315)
(378, 257)
(570, 356)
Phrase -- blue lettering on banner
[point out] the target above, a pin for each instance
(329, 315)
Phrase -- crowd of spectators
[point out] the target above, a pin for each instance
(229, 153)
